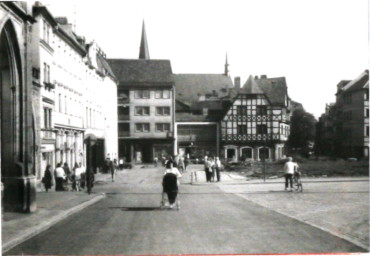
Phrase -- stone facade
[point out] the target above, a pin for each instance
(17, 119)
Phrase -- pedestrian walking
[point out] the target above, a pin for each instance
(205, 166)
(288, 172)
(213, 169)
(47, 180)
(209, 169)
(60, 176)
(109, 167)
(186, 161)
(181, 164)
(168, 163)
(218, 166)
(115, 165)
(155, 161)
(66, 169)
(76, 177)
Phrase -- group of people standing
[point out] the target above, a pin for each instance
(63, 174)
(212, 168)
(178, 161)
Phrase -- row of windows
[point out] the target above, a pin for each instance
(159, 94)
(145, 127)
(261, 129)
(243, 110)
(145, 111)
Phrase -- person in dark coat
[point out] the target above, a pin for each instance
(47, 179)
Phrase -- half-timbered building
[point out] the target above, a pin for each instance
(256, 126)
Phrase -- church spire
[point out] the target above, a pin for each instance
(144, 51)
(226, 67)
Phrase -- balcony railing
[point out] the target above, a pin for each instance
(123, 134)
(122, 117)
(47, 134)
(123, 100)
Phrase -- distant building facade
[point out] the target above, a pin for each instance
(146, 106)
(201, 100)
(73, 96)
(344, 127)
(257, 124)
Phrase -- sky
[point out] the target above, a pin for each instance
(312, 43)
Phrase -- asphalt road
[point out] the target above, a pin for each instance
(210, 221)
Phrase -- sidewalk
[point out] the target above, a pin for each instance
(234, 177)
(52, 207)
(337, 205)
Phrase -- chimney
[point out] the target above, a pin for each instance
(237, 82)
(61, 20)
(263, 76)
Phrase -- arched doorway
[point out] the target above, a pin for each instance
(9, 79)
(16, 147)
(246, 153)
(263, 153)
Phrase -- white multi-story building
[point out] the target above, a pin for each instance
(76, 95)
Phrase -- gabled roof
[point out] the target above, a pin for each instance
(275, 89)
(103, 65)
(251, 87)
(142, 72)
(190, 86)
(359, 82)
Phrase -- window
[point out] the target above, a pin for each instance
(162, 127)
(65, 104)
(261, 129)
(366, 95)
(366, 112)
(163, 111)
(60, 102)
(347, 98)
(47, 118)
(46, 73)
(241, 110)
(347, 116)
(142, 111)
(242, 129)
(162, 94)
(142, 94)
(261, 110)
(263, 153)
(367, 131)
(142, 127)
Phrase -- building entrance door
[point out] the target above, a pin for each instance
(247, 153)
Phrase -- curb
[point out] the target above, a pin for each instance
(31, 232)
(344, 237)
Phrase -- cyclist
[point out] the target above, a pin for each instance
(289, 168)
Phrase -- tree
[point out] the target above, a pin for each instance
(302, 130)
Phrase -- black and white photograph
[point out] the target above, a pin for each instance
(173, 127)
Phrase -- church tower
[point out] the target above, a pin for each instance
(226, 67)
(144, 50)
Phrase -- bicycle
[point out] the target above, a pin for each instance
(297, 183)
